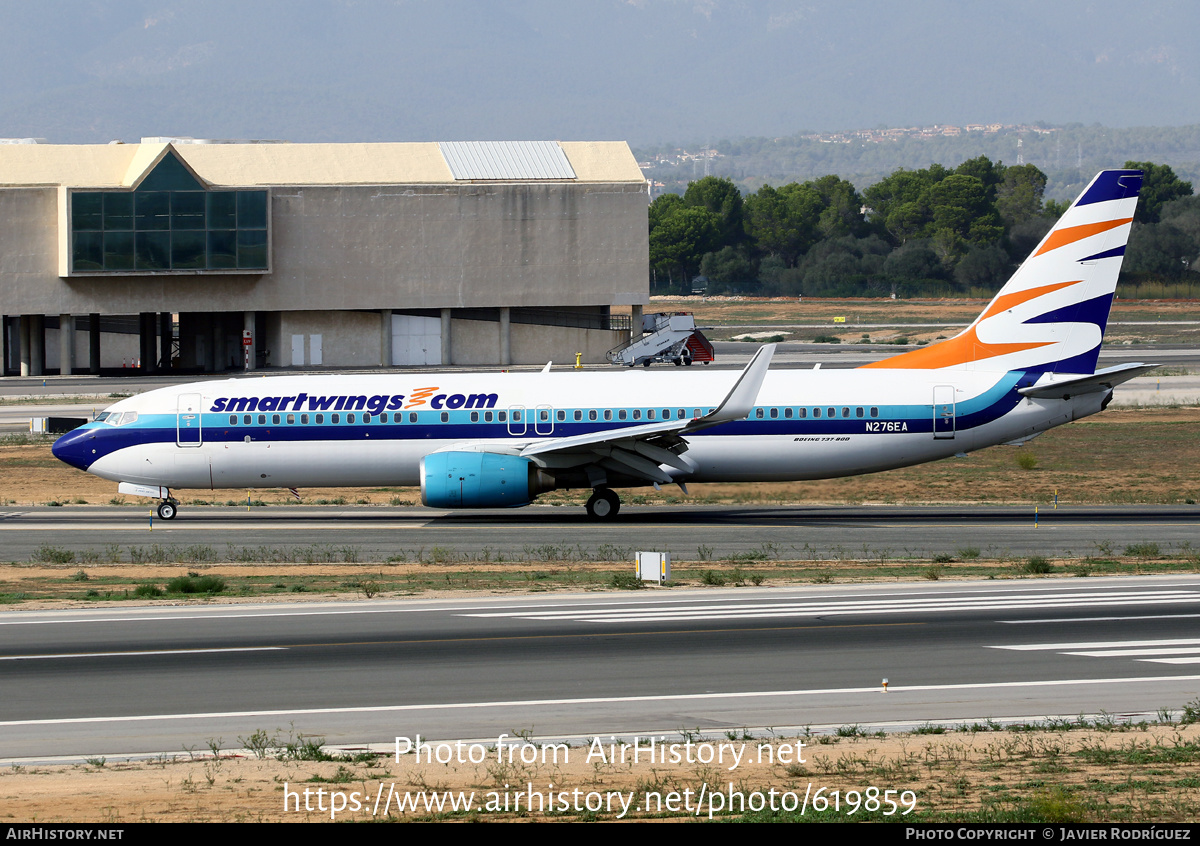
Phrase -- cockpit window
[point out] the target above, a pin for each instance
(102, 416)
(119, 419)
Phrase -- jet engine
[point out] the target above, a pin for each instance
(480, 480)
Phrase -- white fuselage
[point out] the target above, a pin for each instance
(318, 431)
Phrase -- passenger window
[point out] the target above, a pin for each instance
(335, 418)
(681, 414)
(816, 412)
(774, 413)
(562, 416)
(592, 414)
(383, 417)
(578, 414)
(833, 412)
(262, 420)
(304, 419)
(246, 418)
(412, 417)
(758, 412)
(802, 412)
(858, 412)
(291, 419)
(487, 417)
(845, 411)
(320, 419)
(233, 420)
(650, 414)
(637, 414)
(621, 415)
(366, 417)
(502, 416)
(445, 416)
(608, 414)
(874, 411)
(274, 419)
(474, 416)
(349, 418)
(787, 412)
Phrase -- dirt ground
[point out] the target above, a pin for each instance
(1144, 773)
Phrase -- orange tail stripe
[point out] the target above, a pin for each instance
(1062, 237)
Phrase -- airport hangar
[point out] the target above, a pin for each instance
(316, 255)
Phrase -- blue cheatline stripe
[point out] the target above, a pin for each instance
(160, 428)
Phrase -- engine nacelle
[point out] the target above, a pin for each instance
(480, 480)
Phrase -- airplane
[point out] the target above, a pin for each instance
(487, 440)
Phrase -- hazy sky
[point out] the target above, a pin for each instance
(646, 71)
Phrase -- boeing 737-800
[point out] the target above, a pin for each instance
(473, 440)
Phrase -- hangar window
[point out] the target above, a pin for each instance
(169, 222)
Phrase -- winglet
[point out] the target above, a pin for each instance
(740, 400)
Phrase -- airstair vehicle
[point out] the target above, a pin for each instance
(664, 337)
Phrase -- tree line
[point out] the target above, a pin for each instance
(917, 233)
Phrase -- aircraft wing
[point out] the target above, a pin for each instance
(1101, 380)
(640, 450)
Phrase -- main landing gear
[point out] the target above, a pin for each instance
(603, 504)
(167, 510)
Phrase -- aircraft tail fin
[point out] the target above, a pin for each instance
(1051, 314)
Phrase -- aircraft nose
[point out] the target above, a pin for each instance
(76, 448)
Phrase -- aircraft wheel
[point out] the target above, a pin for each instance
(167, 510)
(603, 504)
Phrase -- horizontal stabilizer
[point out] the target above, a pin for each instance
(1101, 380)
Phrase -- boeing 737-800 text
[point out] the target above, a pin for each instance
(475, 440)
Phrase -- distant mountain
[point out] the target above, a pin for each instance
(647, 71)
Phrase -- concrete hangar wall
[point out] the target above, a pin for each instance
(332, 255)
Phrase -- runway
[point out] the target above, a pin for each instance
(527, 534)
(112, 682)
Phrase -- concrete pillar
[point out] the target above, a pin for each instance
(385, 338)
(94, 343)
(146, 343)
(635, 322)
(66, 344)
(216, 347)
(250, 353)
(446, 336)
(37, 345)
(26, 345)
(166, 339)
(505, 336)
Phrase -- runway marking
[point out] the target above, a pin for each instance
(735, 610)
(1099, 619)
(895, 690)
(139, 654)
(1185, 648)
